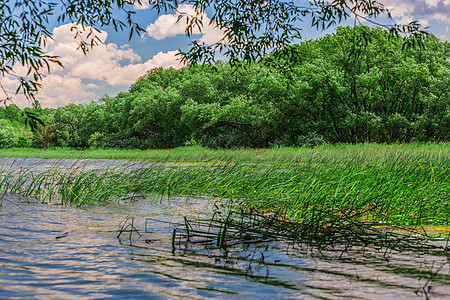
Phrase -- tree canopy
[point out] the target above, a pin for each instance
(251, 28)
(380, 92)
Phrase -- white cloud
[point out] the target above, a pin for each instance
(405, 19)
(432, 3)
(145, 4)
(56, 90)
(84, 77)
(128, 74)
(424, 22)
(60, 90)
(172, 25)
(166, 26)
(424, 9)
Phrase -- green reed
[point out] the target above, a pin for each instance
(200, 154)
(326, 187)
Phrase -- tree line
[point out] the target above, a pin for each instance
(357, 85)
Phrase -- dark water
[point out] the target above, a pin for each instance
(55, 252)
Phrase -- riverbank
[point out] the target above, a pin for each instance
(201, 154)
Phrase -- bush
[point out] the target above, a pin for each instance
(310, 140)
(8, 137)
(96, 140)
(24, 140)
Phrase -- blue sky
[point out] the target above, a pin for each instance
(113, 66)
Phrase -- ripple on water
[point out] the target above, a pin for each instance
(51, 251)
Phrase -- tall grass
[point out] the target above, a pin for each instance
(200, 154)
(377, 185)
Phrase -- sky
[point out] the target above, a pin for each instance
(113, 66)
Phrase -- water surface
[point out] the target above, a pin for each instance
(60, 252)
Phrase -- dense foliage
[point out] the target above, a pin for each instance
(356, 85)
(250, 28)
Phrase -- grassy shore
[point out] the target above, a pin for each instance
(200, 154)
(323, 188)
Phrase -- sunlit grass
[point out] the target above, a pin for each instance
(371, 184)
(200, 154)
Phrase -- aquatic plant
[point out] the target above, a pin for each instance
(325, 195)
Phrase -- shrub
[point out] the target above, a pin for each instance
(8, 137)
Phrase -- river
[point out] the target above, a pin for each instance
(126, 251)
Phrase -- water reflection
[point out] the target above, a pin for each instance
(50, 251)
(127, 250)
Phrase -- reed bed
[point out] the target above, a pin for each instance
(238, 229)
(328, 197)
(378, 185)
(200, 154)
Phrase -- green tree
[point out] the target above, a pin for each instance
(376, 92)
(379, 91)
(251, 28)
(68, 120)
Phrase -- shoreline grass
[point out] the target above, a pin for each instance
(388, 180)
(201, 154)
(318, 191)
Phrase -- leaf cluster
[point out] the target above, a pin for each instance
(25, 29)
